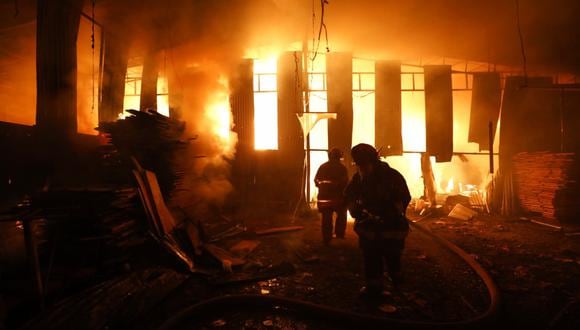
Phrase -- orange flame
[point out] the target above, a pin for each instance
(218, 111)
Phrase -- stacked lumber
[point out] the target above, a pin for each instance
(90, 213)
(547, 183)
(154, 140)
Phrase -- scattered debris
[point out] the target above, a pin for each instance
(420, 302)
(244, 247)
(161, 221)
(307, 256)
(499, 228)
(218, 323)
(453, 200)
(284, 268)
(420, 205)
(230, 232)
(565, 260)
(227, 259)
(546, 224)
(462, 213)
(521, 272)
(268, 323)
(387, 308)
(278, 230)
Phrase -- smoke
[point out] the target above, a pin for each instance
(484, 31)
(87, 78)
(205, 108)
(202, 44)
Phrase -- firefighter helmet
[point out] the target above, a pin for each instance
(364, 153)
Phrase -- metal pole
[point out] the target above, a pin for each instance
(491, 169)
(562, 120)
(306, 87)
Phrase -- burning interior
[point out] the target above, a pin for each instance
(146, 141)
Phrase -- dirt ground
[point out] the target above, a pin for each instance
(536, 269)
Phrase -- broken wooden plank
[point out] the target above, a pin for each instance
(307, 256)
(244, 247)
(282, 269)
(223, 256)
(162, 221)
(194, 236)
(278, 230)
(165, 217)
(170, 243)
(147, 205)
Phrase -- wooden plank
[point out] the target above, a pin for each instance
(165, 217)
(223, 256)
(278, 230)
(147, 205)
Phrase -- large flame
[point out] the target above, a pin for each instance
(218, 112)
(132, 98)
(450, 186)
(162, 96)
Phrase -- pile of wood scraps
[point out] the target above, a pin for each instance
(157, 152)
(89, 213)
(154, 140)
(548, 184)
(186, 238)
(462, 212)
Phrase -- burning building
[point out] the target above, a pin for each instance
(147, 144)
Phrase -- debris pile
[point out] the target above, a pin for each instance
(154, 140)
(89, 214)
(462, 213)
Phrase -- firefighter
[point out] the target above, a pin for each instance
(377, 197)
(331, 179)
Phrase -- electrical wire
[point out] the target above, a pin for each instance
(169, 49)
(322, 26)
(521, 37)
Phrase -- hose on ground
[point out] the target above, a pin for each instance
(343, 317)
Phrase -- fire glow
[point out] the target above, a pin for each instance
(452, 177)
(265, 105)
(219, 116)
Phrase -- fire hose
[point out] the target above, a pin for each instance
(348, 318)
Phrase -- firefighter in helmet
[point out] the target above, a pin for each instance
(331, 179)
(377, 197)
